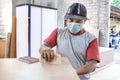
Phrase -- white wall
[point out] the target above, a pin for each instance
(5, 16)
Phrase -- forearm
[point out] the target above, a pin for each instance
(90, 66)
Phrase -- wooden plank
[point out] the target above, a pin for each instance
(13, 39)
(106, 56)
(2, 47)
(7, 50)
(17, 70)
(111, 72)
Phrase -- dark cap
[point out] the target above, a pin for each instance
(76, 11)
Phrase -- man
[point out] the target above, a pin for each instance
(78, 45)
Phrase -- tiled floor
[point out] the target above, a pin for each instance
(111, 71)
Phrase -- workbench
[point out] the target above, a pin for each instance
(13, 69)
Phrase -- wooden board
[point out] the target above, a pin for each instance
(13, 39)
(106, 56)
(28, 59)
(8, 41)
(2, 47)
(111, 72)
(12, 69)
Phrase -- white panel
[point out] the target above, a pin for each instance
(49, 22)
(35, 31)
(22, 31)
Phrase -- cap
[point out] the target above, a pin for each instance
(76, 11)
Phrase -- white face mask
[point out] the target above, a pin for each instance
(74, 27)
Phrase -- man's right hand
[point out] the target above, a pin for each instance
(46, 52)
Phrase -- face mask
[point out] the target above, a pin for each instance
(74, 27)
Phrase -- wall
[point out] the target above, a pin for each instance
(17, 2)
(49, 3)
(5, 16)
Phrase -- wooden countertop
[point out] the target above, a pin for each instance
(12, 69)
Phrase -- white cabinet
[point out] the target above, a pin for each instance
(34, 24)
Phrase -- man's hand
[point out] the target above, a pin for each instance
(47, 53)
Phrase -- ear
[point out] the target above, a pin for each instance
(86, 19)
(65, 22)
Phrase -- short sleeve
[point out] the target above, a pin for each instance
(92, 52)
(51, 40)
